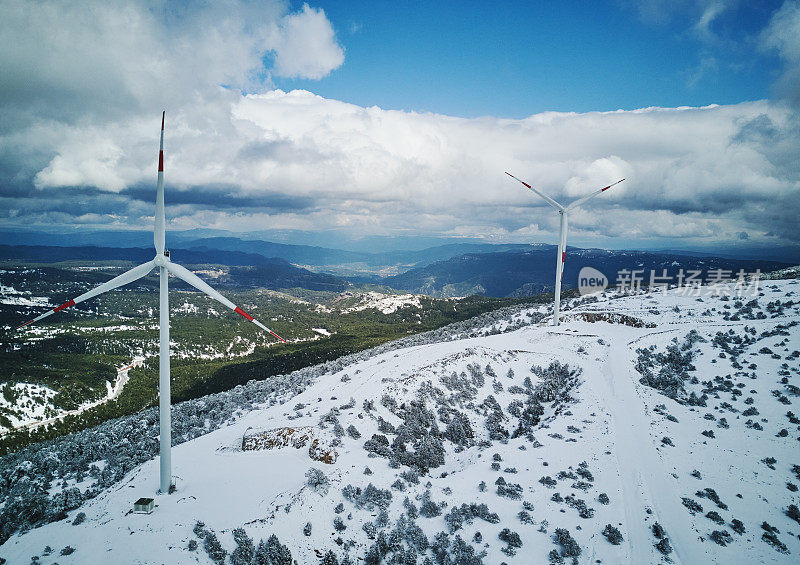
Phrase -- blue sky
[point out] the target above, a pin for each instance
(514, 59)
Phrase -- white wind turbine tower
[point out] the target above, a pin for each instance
(562, 236)
(165, 267)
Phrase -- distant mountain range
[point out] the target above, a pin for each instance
(532, 271)
(322, 256)
(442, 271)
(246, 269)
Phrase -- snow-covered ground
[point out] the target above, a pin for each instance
(25, 403)
(10, 295)
(385, 303)
(549, 428)
(33, 405)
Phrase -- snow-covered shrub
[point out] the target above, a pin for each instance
(317, 480)
(512, 540)
(245, 548)
(720, 537)
(428, 508)
(509, 490)
(370, 498)
(569, 547)
(524, 517)
(692, 505)
(459, 430)
(329, 558)
(466, 513)
(494, 419)
(273, 552)
(370, 529)
(214, 548)
(353, 432)
(612, 534)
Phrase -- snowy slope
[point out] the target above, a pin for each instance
(449, 412)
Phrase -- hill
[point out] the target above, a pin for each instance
(249, 269)
(532, 271)
(645, 429)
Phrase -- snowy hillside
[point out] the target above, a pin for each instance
(645, 429)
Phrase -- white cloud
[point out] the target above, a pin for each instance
(702, 173)
(307, 45)
(101, 59)
(783, 35)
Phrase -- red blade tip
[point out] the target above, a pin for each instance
(279, 337)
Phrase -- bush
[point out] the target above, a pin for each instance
(329, 559)
(720, 537)
(370, 498)
(569, 547)
(664, 547)
(427, 507)
(692, 505)
(317, 480)
(467, 513)
(509, 490)
(273, 553)
(370, 530)
(214, 548)
(245, 548)
(793, 513)
(79, 519)
(612, 534)
(511, 538)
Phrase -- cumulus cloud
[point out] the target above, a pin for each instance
(104, 59)
(295, 160)
(306, 45)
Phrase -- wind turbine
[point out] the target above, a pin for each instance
(562, 235)
(165, 267)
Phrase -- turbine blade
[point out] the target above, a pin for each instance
(189, 277)
(125, 278)
(592, 195)
(159, 238)
(547, 199)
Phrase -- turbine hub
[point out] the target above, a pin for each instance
(161, 260)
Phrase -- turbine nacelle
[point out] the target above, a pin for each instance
(161, 259)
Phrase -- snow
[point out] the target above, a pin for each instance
(33, 403)
(614, 424)
(10, 295)
(30, 414)
(385, 303)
